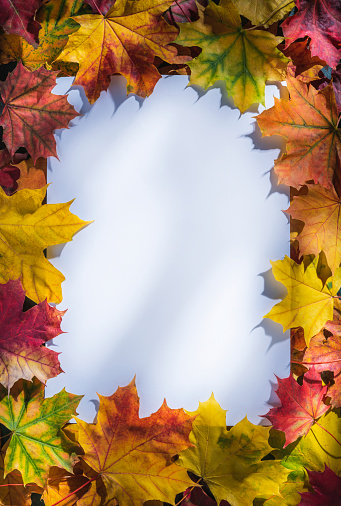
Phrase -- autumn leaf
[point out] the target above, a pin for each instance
(17, 16)
(37, 441)
(21, 352)
(309, 303)
(300, 406)
(26, 229)
(133, 456)
(12, 490)
(57, 25)
(32, 176)
(264, 12)
(124, 41)
(31, 112)
(243, 59)
(319, 447)
(9, 174)
(183, 11)
(308, 121)
(62, 484)
(197, 497)
(288, 493)
(320, 210)
(100, 6)
(327, 489)
(303, 66)
(321, 21)
(230, 462)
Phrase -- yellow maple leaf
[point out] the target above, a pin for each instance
(264, 12)
(310, 302)
(230, 462)
(124, 41)
(243, 59)
(26, 229)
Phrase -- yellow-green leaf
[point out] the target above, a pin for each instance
(37, 442)
(243, 59)
(309, 303)
(26, 228)
(230, 461)
(264, 12)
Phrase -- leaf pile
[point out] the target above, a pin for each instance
(172, 456)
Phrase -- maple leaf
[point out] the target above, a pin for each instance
(243, 59)
(320, 210)
(264, 12)
(17, 16)
(327, 489)
(62, 484)
(300, 406)
(55, 18)
(309, 303)
(124, 41)
(22, 335)
(321, 21)
(31, 112)
(288, 493)
(32, 176)
(319, 447)
(131, 455)
(37, 442)
(303, 66)
(230, 462)
(9, 174)
(26, 229)
(12, 490)
(308, 121)
(183, 11)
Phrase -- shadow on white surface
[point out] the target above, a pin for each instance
(168, 282)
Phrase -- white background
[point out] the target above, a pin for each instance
(168, 282)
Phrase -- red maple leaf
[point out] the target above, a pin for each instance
(17, 16)
(301, 405)
(327, 487)
(9, 174)
(22, 335)
(100, 6)
(31, 112)
(321, 21)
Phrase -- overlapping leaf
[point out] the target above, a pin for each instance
(124, 41)
(312, 452)
(9, 174)
(31, 113)
(57, 25)
(321, 21)
(230, 461)
(17, 16)
(183, 11)
(303, 66)
(327, 489)
(26, 229)
(308, 121)
(320, 210)
(22, 335)
(300, 406)
(309, 304)
(243, 59)
(264, 12)
(133, 456)
(37, 442)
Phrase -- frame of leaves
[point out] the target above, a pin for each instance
(172, 456)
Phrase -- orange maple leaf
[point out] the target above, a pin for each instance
(124, 41)
(132, 455)
(309, 122)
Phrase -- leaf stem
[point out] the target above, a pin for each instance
(315, 363)
(75, 491)
(12, 485)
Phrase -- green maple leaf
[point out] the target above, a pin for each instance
(36, 442)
